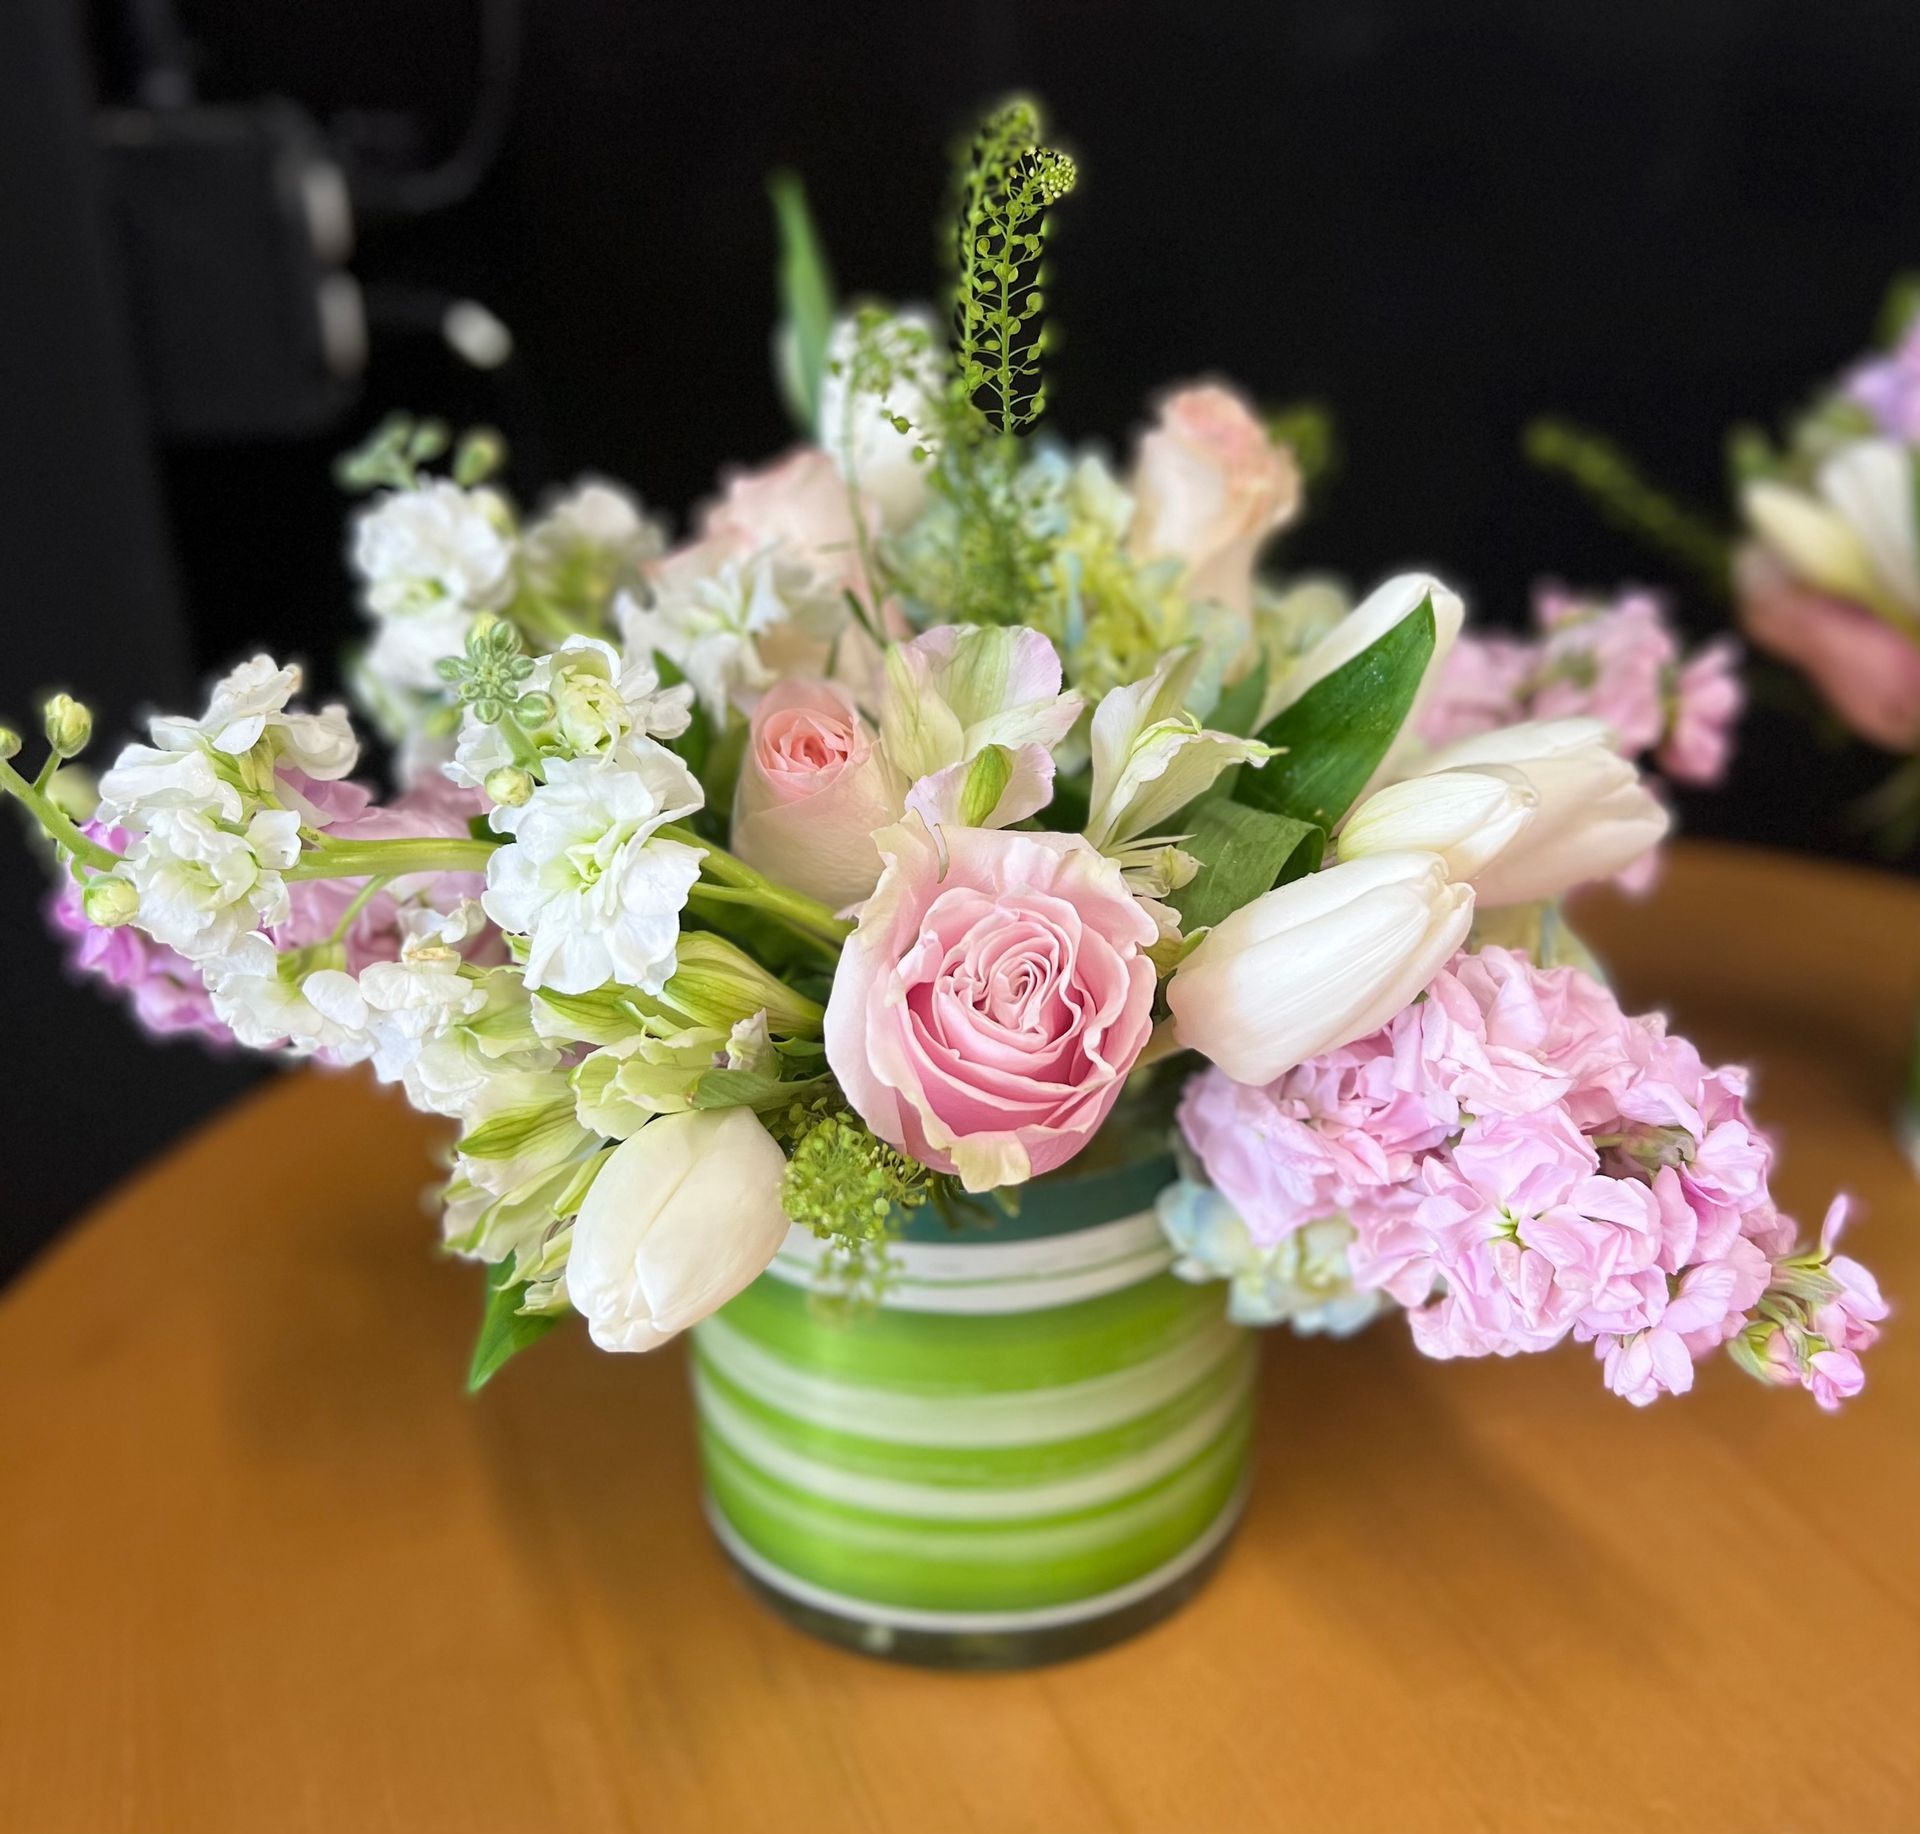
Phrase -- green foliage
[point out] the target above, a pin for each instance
(806, 298)
(1243, 852)
(1308, 430)
(1606, 476)
(1239, 705)
(1335, 735)
(505, 1330)
(1006, 185)
(1898, 309)
(392, 455)
(841, 1181)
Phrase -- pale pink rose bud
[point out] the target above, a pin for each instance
(1209, 488)
(987, 1011)
(813, 787)
(1318, 963)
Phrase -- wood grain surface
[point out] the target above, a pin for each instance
(264, 1566)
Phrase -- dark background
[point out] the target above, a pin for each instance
(1440, 219)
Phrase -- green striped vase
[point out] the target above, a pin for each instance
(1034, 1445)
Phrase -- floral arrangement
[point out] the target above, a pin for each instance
(944, 795)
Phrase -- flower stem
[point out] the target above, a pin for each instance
(358, 903)
(391, 859)
(803, 912)
(734, 896)
(56, 821)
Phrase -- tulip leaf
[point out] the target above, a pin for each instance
(505, 1330)
(1243, 852)
(1335, 735)
(806, 298)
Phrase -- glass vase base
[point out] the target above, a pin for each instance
(982, 1641)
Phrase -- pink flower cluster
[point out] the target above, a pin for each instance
(1521, 1162)
(1888, 387)
(166, 991)
(1618, 662)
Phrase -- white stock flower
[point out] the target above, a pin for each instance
(203, 887)
(410, 1002)
(598, 897)
(267, 1005)
(711, 610)
(1467, 816)
(596, 524)
(218, 762)
(680, 1219)
(250, 704)
(599, 702)
(1318, 963)
(1151, 758)
(1593, 814)
(425, 549)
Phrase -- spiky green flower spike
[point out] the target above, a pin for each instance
(1008, 181)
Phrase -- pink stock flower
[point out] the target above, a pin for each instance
(1209, 488)
(1888, 387)
(1605, 662)
(1707, 702)
(1866, 671)
(987, 1010)
(813, 790)
(316, 906)
(1521, 1163)
(166, 991)
(1483, 684)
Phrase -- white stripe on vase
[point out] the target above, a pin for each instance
(1098, 1488)
(1016, 1417)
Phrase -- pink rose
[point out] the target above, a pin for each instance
(813, 788)
(1868, 672)
(989, 1007)
(1209, 488)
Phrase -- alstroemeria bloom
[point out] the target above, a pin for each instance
(813, 789)
(1594, 816)
(680, 1218)
(986, 1012)
(1318, 963)
(586, 879)
(1209, 488)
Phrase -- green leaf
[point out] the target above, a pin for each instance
(1336, 733)
(1243, 852)
(806, 298)
(505, 1330)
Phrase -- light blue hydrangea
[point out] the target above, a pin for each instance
(1303, 1281)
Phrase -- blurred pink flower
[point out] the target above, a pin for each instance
(1866, 671)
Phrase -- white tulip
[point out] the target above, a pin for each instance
(1379, 612)
(1468, 817)
(1318, 963)
(682, 1216)
(1594, 816)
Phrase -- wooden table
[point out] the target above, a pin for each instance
(264, 1567)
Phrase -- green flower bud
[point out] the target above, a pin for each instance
(9, 742)
(109, 902)
(69, 725)
(509, 785)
